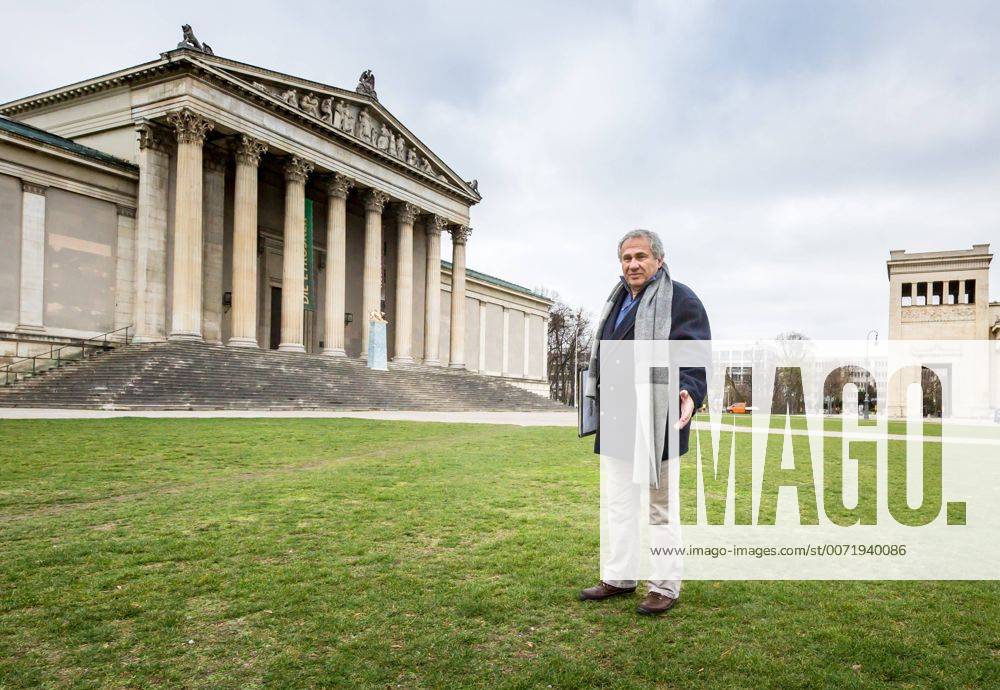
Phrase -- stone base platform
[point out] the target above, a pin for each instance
(197, 376)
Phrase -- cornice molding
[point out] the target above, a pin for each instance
(86, 87)
(46, 179)
(973, 263)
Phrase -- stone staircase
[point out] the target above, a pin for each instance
(197, 376)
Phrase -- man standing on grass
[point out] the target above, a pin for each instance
(647, 305)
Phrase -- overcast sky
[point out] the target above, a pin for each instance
(781, 149)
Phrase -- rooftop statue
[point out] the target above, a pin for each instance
(189, 41)
(366, 84)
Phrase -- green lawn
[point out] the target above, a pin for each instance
(931, 427)
(318, 553)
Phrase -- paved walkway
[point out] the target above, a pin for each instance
(567, 418)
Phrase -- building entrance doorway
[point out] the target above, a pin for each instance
(275, 318)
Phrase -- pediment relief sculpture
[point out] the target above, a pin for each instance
(310, 104)
(357, 121)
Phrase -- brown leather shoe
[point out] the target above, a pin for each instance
(602, 590)
(655, 603)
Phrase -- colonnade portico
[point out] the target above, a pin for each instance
(189, 286)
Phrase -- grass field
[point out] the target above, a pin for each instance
(930, 427)
(318, 553)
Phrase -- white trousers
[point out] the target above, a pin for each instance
(621, 508)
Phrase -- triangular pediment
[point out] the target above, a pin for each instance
(351, 114)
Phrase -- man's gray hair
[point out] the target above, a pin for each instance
(654, 241)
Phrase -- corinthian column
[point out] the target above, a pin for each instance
(336, 265)
(459, 235)
(150, 284)
(248, 154)
(372, 287)
(294, 255)
(405, 215)
(186, 313)
(432, 291)
(214, 196)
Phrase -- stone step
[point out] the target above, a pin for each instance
(202, 376)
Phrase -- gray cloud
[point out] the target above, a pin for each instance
(780, 148)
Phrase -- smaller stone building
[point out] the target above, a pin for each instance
(944, 295)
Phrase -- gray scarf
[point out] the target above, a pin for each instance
(652, 322)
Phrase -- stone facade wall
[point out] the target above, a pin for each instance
(10, 257)
(80, 262)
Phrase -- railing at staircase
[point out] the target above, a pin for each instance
(18, 369)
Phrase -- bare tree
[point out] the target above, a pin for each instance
(788, 394)
(570, 336)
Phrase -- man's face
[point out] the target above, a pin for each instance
(638, 264)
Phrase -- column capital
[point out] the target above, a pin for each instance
(249, 150)
(191, 127)
(152, 137)
(406, 212)
(297, 169)
(33, 188)
(375, 200)
(338, 185)
(435, 224)
(459, 233)
(126, 211)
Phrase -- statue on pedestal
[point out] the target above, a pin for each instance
(189, 41)
(366, 84)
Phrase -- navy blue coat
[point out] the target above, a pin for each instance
(688, 321)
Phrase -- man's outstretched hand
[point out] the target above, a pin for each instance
(687, 410)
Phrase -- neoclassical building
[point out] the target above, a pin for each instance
(197, 197)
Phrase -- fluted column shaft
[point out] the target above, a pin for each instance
(294, 256)
(459, 235)
(186, 310)
(371, 299)
(406, 214)
(213, 229)
(149, 297)
(336, 266)
(432, 291)
(244, 331)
